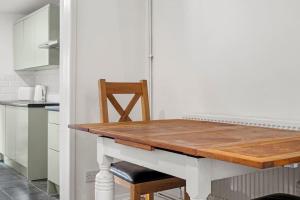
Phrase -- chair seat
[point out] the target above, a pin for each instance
(136, 174)
(279, 197)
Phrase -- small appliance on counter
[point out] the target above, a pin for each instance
(25, 93)
(40, 92)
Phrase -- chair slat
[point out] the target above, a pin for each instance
(123, 88)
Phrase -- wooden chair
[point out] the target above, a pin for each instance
(141, 181)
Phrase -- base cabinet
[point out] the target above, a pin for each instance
(22, 136)
(53, 152)
(53, 166)
(26, 141)
(2, 130)
(10, 132)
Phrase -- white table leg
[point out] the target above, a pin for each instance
(198, 181)
(104, 186)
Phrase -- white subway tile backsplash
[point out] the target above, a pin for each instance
(5, 97)
(9, 83)
(5, 90)
(49, 78)
(4, 83)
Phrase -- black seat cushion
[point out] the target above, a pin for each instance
(279, 197)
(136, 174)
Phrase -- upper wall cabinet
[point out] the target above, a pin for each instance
(36, 38)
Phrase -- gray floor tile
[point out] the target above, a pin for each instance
(36, 196)
(14, 186)
(9, 172)
(55, 197)
(10, 177)
(3, 166)
(4, 196)
(41, 184)
(19, 191)
(14, 183)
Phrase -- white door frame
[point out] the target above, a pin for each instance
(68, 51)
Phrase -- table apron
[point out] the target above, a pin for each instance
(171, 163)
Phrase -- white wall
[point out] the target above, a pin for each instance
(110, 44)
(229, 58)
(234, 57)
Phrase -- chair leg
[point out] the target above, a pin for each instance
(186, 195)
(134, 195)
(150, 196)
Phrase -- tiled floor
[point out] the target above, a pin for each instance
(14, 186)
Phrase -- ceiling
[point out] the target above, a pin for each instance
(23, 6)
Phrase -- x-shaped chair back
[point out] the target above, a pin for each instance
(107, 91)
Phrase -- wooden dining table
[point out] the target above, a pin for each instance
(199, 152)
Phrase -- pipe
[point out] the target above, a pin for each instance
(150, 57)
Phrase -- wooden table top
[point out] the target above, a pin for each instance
(250, 146)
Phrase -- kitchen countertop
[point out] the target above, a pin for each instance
(30, 104)
(52, 108)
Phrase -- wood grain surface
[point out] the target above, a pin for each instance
(251, 146)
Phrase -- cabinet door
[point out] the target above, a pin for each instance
(42, 27)
(53, 117)
(53, 137)
(53, 166)
(10, 132)
(18, 45)
(2, 129)
(30, 45)
(22, 136)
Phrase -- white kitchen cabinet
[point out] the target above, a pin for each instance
(42, 55)
(53, 152)
(53, 134)
(10, 132)
(30, 33)
(26, 140)
(53, 117)
(18, 45)
(16, 134)
(2, 129)
(53, 166)
(29, 42)
(21, 135)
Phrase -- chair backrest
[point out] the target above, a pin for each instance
(107, 91)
